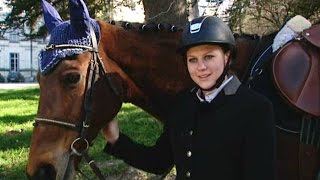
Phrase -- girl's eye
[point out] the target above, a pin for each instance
(192, 60)
(208, 57)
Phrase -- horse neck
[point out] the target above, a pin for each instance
(249, 49)
(148, 64)
(264, 42)
(245, 47)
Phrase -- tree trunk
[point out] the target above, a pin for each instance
(166, 11)
(193, 10)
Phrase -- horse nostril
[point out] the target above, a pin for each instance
(45, 172)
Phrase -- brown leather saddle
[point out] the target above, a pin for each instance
(296, 71)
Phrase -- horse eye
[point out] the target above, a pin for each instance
(72, 79)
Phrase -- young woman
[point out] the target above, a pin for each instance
(219, 130)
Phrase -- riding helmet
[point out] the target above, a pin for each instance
(206, 30)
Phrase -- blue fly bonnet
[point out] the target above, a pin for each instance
(75, 33)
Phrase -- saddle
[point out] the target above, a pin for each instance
(296, 71)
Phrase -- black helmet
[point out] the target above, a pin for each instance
(206, 30)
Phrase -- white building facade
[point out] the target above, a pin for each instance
(18, 54)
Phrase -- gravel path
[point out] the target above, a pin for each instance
(17, 85)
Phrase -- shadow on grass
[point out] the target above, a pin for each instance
(26, 94)
(16, 140)
(10, 119)
(15, 171)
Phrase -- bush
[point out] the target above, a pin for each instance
(15, 77)
(2, 79)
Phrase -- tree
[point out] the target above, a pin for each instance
(264, 16)
(193, 10)
(25, 15)
(169, 11)
(28, 12)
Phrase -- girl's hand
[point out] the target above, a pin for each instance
(111, 131)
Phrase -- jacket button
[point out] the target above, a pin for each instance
(188, 174)
(189, 153)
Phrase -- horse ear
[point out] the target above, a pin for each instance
(51, 16)
(79, 17)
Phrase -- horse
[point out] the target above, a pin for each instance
(81, 91)
(297, 132)
(95, 82)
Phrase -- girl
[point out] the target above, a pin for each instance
(219, 130)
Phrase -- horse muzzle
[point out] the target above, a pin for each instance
(44, 172)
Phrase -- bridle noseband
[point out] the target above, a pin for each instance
(95, 69)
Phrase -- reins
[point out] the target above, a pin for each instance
(95, 68)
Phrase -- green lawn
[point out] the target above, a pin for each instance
(17, 112)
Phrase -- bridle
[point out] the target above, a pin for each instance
(95, 69)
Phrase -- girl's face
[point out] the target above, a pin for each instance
(205, 64)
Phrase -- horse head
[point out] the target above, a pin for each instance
(71, 79)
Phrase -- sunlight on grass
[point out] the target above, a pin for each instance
(17, 111)
(10, 107)
(17, 108)
(13, 168)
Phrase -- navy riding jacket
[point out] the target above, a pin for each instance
(230, 138)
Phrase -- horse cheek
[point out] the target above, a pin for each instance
(106, 104)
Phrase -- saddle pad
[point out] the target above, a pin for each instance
(296, 73)
(313, 35)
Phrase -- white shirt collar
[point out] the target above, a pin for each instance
(211, 95)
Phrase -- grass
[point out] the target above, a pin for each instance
(17, 111)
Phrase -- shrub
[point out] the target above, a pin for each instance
(15, 77)
(2, 79)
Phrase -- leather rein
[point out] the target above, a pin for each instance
(95, 68)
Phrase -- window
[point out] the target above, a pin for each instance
(217, 1)
(14, 59)
(14, 37)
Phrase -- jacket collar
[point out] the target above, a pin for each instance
(229, 87)
(232, 87)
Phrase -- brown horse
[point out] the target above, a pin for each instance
(138, 65)
(298, 137)
(133, 63)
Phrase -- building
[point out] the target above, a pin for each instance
(17, 54)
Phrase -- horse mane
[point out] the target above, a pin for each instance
(148, 27)
(146, 56)
(246, 36)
